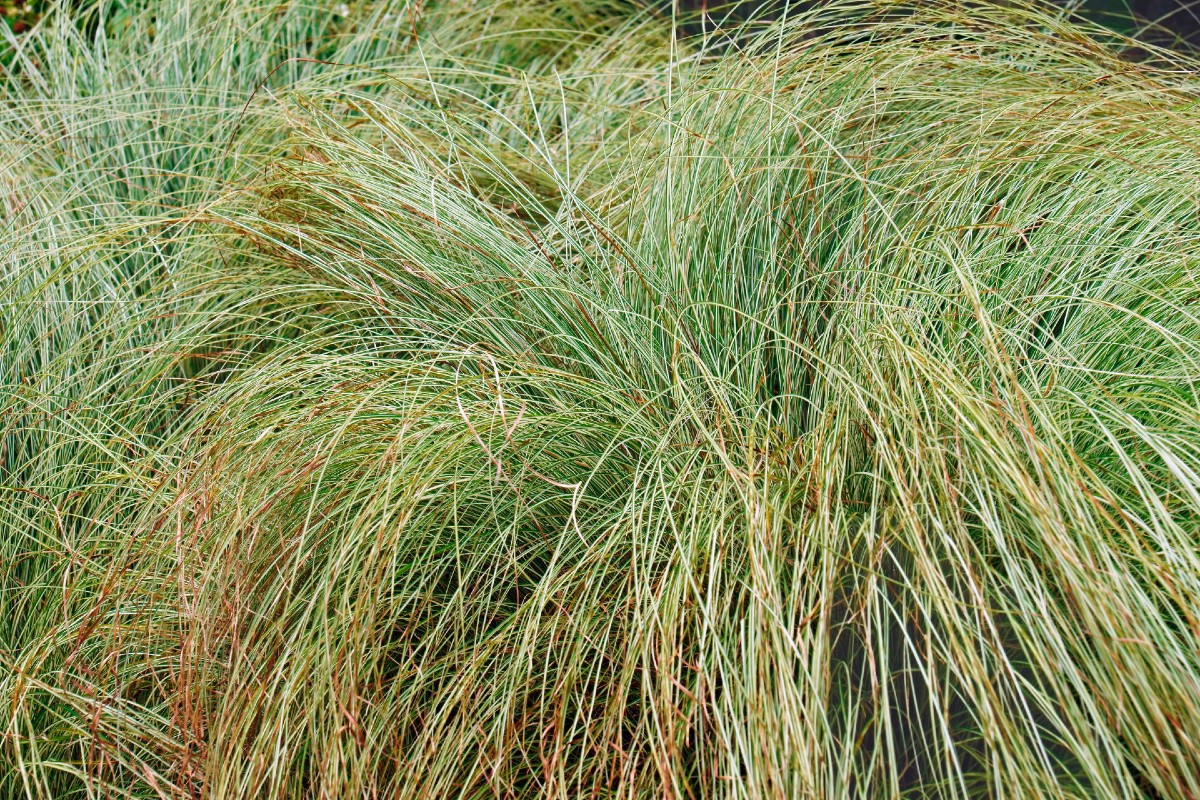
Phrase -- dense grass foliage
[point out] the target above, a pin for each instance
(510, 399)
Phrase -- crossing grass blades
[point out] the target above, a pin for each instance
(517, 399)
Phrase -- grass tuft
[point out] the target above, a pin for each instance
(519, 400)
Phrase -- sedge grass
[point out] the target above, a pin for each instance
(517, 401)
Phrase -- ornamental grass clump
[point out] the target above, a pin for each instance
(433, 400)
